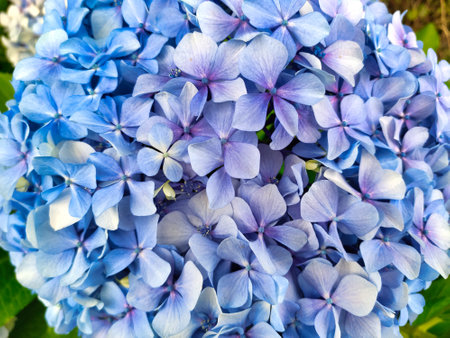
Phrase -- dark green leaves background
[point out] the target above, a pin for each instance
(23, 314)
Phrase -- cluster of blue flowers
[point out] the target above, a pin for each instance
(233, 168)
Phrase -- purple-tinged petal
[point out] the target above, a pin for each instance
(340, 181)
(325, 114)
(195, 54)
(226, 62)
(414, 138)
(309, 29)
(154, 269)
(390, 215)
(176, 230)
(375, 255)
(337, 142)
(142, 296)
(360, 218)
(227, 90)
(189, 284)
(262, 329)
(287, 115)
(263, 286)
(215, 22)
(251, 111)
(243, 216)
(171, 318)
(233, 289)
(293, 238)
(283, 35)
(204, 250)
(241, 160)
(205, 156)
(325, 322)
(379, 183)
(355, 295)
(261, 252)
(438, 231)
(320, 203)
(362, 327)
(267, 204)
(234, 250)
(263, 60)
(262, 14)
(352, 110)
(149, 83)
(309, 308)
(305, 88)
(436, 258)
(321, 276)
(345, 58)
(406, 259)
(219, 189)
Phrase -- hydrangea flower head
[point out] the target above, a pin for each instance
(227, 168)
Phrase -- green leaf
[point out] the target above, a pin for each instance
(6, 90)
(31, 323)
(435, 318)
(13, 296)
(430, 37)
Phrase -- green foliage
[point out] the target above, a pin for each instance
(13, 297)
(6, 90)
(31, 323)
(430, 37)
(435, 319)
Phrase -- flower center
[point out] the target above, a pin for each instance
(344, 123)
(273, 91)
(175, 72)
(329, 301)
(205, 81)
(248, 268)
(284, 23)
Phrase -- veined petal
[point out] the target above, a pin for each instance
(149, 161)
(205, 156)
(241, 160)
(251, 111)
(154, 269)
(287, 115)
(305, 88)
(215, 22)
(263, 60)
(263, 14)
(141, 201)
(233, 289)
(355, 295)
(309, 29)
(195, 54)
